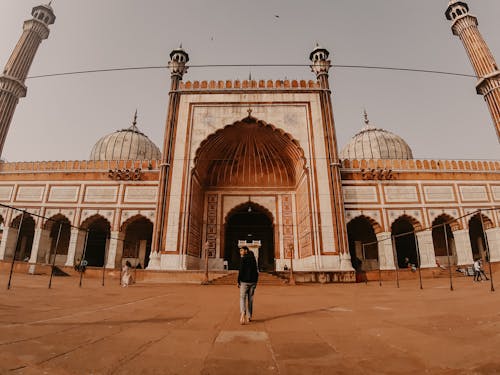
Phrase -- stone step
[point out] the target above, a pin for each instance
(264, 279)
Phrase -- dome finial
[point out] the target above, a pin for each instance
(365, 115)
(134, 122)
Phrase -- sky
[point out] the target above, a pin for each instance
(439, 116)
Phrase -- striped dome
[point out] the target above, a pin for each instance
(375, 143)
(125, 144)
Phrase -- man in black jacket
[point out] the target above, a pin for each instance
(247, 282)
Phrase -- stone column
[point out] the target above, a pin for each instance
(463, 247)
(493, 237)
(114, 246)
(41, 244)
(8, 241)
(426, 249)
(76, 242)
(385, 252)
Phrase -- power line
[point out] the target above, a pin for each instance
(117, 69)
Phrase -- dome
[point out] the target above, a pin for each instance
(375, 143)
(125, 144)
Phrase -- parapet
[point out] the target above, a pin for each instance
(424, 165)
(78, 165)
(250, 85)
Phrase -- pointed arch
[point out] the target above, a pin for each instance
(91, 219)
(377, 228)
(132, 219)
(255, 206)
(26, 235)
(99, 231)
(249, 152)
(138, 233)
(487, 221)
(410, 219)
(449, 220)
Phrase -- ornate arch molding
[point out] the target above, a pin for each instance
(132, 219)
(255, 206)
(377, 228)
(487, 221)
(16, 220)
(246, 150)
(90, 220)
(448, 219)
(417, 226)
(48, 223)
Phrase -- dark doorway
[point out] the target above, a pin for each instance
(64, 237)
(138, 233)
(99, 231)
(25, 239)
(405, 244)
(476, 236)
(439, 240)
(250, 224)
(359, 232)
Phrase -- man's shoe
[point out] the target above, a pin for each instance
(242, 318)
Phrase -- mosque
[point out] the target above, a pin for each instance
(253, 162)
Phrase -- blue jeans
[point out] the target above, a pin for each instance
(247, 291)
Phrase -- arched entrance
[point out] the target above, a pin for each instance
(403, 230)
(25, 239)
(476, 235)
(97, 241)
(360, 231)
(249, 222)
(62, 246)
(248, 158)
(137, 241)
(439, 241)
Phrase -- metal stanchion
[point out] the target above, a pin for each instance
(487, 248)
(418, 259)
(448, 254)
(394, 254)
(364, 258)
(55, 255)
(15, 249)
(379, 270)
(291, 279)
(83, 256)
(105, 260)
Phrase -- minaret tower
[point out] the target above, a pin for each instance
(177, 65)
(464, 25)
(320, 66)
(14, 74)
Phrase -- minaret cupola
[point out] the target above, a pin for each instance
(44, 13)
(320, 63)
(178, 60)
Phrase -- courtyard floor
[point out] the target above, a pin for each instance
(194, 329)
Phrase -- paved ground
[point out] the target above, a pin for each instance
(194, 329)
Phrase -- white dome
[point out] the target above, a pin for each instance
(375, 143)
(125, 144)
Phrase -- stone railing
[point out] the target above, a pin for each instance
(423, 165)
(79, 165)
(249, 84)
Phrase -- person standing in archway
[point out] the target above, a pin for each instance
(247, 282)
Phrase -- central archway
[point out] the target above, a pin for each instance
(249, 222)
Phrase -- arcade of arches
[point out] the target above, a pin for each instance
(407, 243)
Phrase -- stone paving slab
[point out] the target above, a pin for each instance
(194, 329)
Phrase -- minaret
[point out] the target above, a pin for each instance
(320, 66)
(14, 74)
(177, 66)
(464, 25)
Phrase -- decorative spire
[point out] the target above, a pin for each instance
(366, 121)
(134, 123)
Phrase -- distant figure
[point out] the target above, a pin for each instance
(247, 282)
(126, 274)
(481, 270)
(138, 267)
(440, 265)
(477, 270)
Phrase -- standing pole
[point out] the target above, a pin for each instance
(448, 254)
(55, 254)
(291, 278)
(105, 259)
(83, 256)
(396, 264)
(206, 281)
(379, 270)
(15, 250)
(487, 248)
(364, 258)
(419, 260)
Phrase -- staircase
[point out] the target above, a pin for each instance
(264, 279)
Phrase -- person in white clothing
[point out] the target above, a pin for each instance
(126, 274)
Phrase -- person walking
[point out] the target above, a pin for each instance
(247, 282)
(126, 274)
(481, 270)
(477, 270)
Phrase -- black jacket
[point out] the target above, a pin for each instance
(248, 269)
